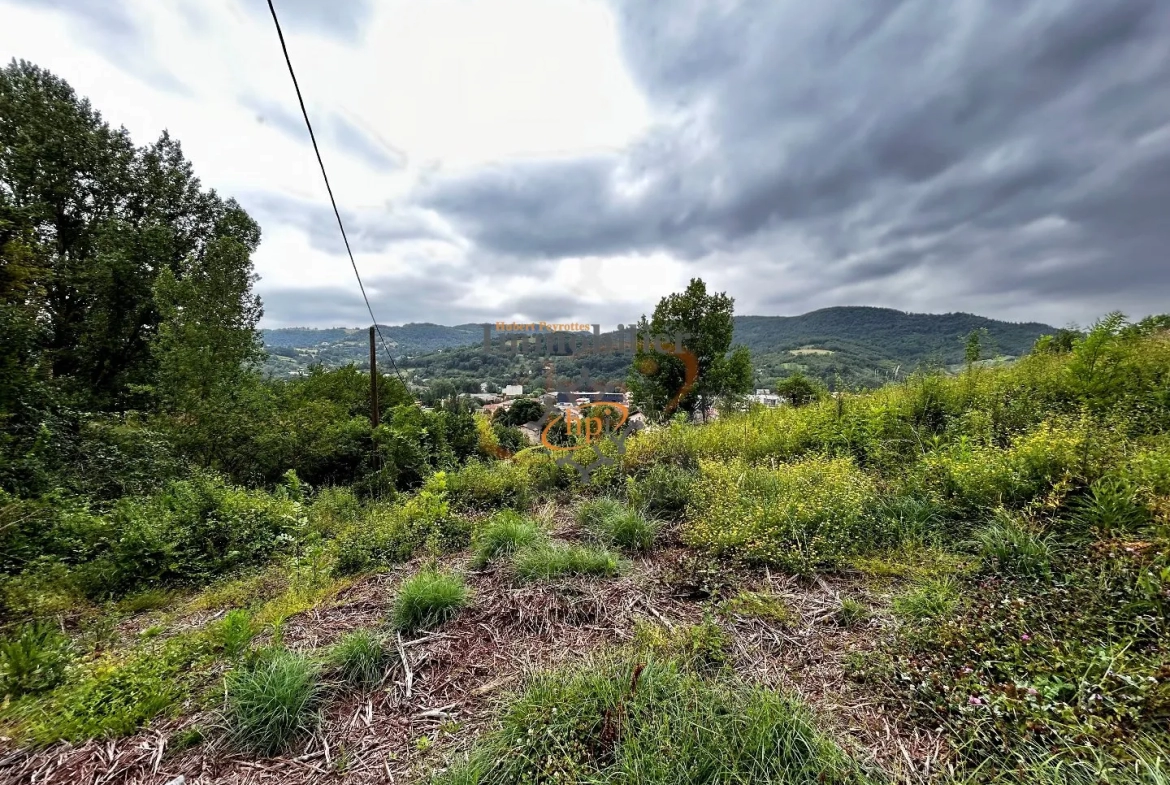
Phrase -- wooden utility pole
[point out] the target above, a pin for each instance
(373, 379)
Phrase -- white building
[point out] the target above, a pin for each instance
(513, 390)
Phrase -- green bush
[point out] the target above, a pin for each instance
(664, 491)
(360, 658)
(614, 523)
(428, 598)
(545, 562)
(272, 701)
(1110, 507)
(483, 486)
(653, 722)
(234, 633)
(34, 660)
(505, 533)
(1011, 547)
(798, 516)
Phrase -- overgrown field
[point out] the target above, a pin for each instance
(954, 579)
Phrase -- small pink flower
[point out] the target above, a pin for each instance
(1025, 637)
(965, 671)
(974, 701)
(1032, 691)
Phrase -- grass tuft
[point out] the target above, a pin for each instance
(272, 701)
(933, 598)
(851, 612)
(616, 524)
(1011, 547)
(428, 598)
(34, 660)
(505, 533)
(759, 605)
(360, 658)
(234, 633)
(552, 561)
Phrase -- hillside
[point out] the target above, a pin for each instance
(862, 346)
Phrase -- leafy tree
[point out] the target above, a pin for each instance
(799, 390)
(656, 377)
(522, 411)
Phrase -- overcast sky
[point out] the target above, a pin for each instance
(576, 160)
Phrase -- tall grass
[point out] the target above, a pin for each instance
(360, 658)
(614, 523)
(272, 701)
(505, 533)
(428, 598)
(553, 561)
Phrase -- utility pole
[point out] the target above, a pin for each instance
(373, 380)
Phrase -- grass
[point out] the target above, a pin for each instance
(360, 658)
(272, 701)
(428, 598)
(1011, 547)
(505, 533)
(933, 598)
(34, 660)
(653, 721)
(759, 605)
(614, 523)
(851, 612)
(553, 561)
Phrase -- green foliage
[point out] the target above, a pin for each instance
(653, 722)
(1111, 507)
(1012, 547)
(758, 605)
(521, 412)
(504, 533)
(428, 598)
(851, 612)
(933, 598)
(799, 516)
(701, 647)
(485, 486)
(234, 633)
(272, 701)
(799, 390)
(663, 491)
(545, 562)
(360, 658)
(33, 660)
(614, 523)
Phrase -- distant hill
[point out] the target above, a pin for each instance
(860, 346)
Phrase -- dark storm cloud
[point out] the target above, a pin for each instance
(344, 19)
(107, 27)
(330, 128)
(1007, 147)
(369, 230)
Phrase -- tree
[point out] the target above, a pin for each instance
(521, 412)
(705, 320)
(799, 390)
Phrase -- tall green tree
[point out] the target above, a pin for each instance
(724, 374)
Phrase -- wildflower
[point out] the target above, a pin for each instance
(975, 701)
(1025, 637)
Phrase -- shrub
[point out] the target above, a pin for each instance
(545, 562)
(1013, 548)
(653, 722)
(34, 660)
(798, 516)
(272, 701)
(505, 533)
(664, 490)
(933, 598)
(360, 657)
(490, 485)
(428, 598)
(613, 522)
(333, 509)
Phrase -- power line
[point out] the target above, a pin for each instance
(336, 212)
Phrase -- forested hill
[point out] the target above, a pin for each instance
(859, 346)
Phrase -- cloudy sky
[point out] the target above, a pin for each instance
(576, 160)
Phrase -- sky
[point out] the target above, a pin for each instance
(577, 160)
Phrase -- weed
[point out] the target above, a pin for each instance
(1110, 507)
(428, 598)
(233, 634)
(545, 562)
(614, 523)
(933, 598)
(505, 533)
(34, 660)
(663, 491)
(758, 605)
(272, 701)
(851, 612)
(701, 646)
(360, 657)
(146, 600)
(1013, 548)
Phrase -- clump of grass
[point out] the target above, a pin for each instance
(234, 633)
(614, 523)
(932, 598)
(553, 561)
(653, 721)
(1013, 548)
(360, 658)
(34, 660)
(505, 533)
(759, 605)
(428, 598)
(146, 600)
(851, 612)
(272, 701)
(1109, 508)
(701, 646)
